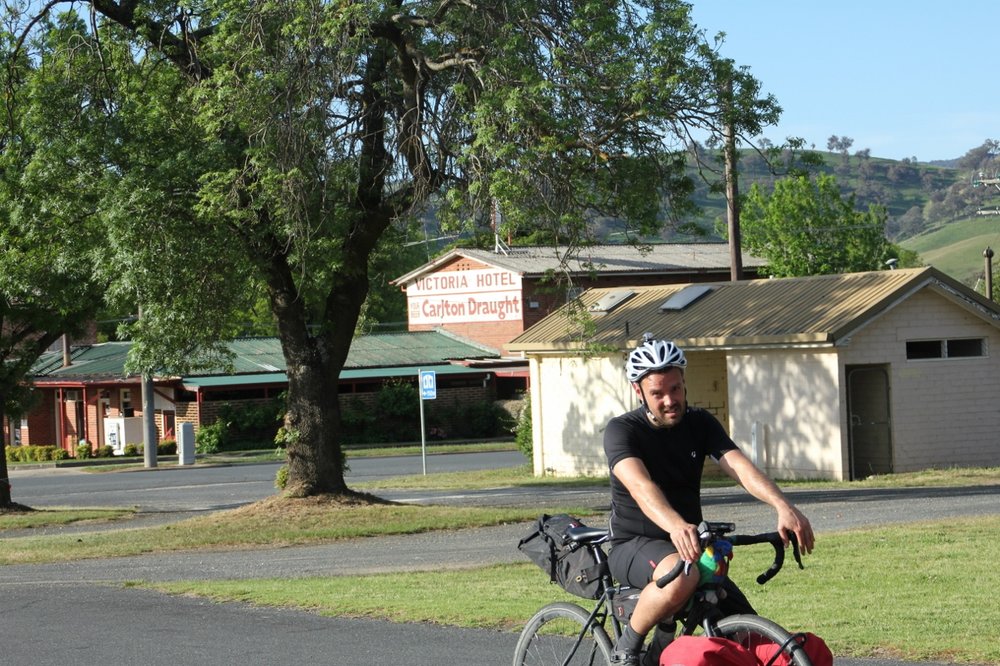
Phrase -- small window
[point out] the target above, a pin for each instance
(954, 348)
(965, 348)
(921, 349)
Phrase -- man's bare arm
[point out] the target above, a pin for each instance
(635, 477)
(790, 519)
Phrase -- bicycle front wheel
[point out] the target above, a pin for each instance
(558, 635)
(752, 631)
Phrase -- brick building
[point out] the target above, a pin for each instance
(85, 394)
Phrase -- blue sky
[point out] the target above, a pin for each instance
(904, 79)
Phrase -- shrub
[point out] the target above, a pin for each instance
(34, 453)
(357, 422)
(57, 453)
(209, 438)
(522, 433)
(281, 477)
(166, 447)
(132, 450)
(83, 451)
(478, 419)
(250, 425)
(104, 452)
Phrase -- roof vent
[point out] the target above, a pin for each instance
(611, 300)
(686, 297)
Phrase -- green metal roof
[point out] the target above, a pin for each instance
(191, 383)
(260, 360)
(102, 360)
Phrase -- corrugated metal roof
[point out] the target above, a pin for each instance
(413, 348)
(253, 356)
(101, 360)
(362, 373)
(807, 311)
(535, 261)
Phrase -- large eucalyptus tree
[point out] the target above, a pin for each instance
(276, 145)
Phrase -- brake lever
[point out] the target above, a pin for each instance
(795, 549)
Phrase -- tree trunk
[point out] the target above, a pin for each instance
(5, 496)
(315, 455)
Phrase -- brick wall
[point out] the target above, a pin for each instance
(41, 430)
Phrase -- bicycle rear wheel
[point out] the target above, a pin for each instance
(752, 631)
(552, 638)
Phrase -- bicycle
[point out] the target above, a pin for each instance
(565, 633)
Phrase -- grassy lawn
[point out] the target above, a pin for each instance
(918, 591)
(272, 522)
(915, 592)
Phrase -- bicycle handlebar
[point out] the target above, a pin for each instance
(773, 538)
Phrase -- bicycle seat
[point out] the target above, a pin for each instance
(585, 535)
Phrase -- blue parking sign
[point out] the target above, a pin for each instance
(428, 385)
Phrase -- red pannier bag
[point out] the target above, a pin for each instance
(705, 651)
(814, 646)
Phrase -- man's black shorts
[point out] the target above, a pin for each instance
(632, 562)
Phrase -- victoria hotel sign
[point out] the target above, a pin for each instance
(459, 297)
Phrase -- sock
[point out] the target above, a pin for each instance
(630, 640)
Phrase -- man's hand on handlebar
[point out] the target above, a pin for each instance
(687, 541)
(793, 521)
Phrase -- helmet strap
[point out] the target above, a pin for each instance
(649, 412)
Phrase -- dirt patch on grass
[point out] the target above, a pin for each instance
(294, 508)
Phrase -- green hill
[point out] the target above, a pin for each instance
(931, 207)
(957, 247)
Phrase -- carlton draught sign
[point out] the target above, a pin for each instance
(459, 297)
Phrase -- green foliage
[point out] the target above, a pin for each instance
(132, 450)
(83, 451)
(806, 227)
(523, 435)
(281, 148)
(209, 437)
(251, 425)
(394, 416)
(281, 477)
(242, 426)
(104, 451)
(478, 419)
(166, 447)
(34, 453)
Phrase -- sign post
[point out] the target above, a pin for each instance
(428, 391)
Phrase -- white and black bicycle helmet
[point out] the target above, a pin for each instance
(653, 355)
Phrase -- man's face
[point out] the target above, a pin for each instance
(665, 395)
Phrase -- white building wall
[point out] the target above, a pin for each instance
(572, 399)
(789, 402)
(944, 411)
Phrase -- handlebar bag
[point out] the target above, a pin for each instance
(568, 563)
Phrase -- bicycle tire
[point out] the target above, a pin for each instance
(749, 630)
(550, 635)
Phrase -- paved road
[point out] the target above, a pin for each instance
(171, 488)
(76, 613)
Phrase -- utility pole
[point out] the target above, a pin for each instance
(148, 417)
(988, 255)
(732, 187)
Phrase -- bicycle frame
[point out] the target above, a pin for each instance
(703, 609)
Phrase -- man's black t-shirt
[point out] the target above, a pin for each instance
(674, 458)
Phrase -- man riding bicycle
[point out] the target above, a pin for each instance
(656, 454)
